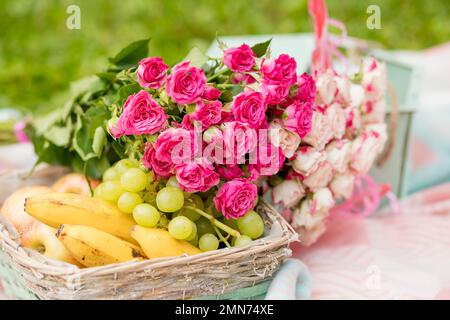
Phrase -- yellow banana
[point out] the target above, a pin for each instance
(57, 208)
(92, 247)
(158, 243)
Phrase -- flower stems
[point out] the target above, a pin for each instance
(221, 237)
(215, 222)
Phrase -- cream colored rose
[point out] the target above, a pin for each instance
(307, 160)
(320, 132)
(367, 146)
(288, 193)
(374, 79)
(374, 111)
(339, 154)
(319, 178)
(326, 87)
(337, 120)
(342, 185)
(287, 140)
(357, 95)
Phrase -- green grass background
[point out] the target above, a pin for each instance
(39, 56)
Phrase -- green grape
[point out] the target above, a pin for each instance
(150, 198)
(133, 180)
(170, 199)
(111, 174)
(196, 202)
(99, 191)
(124, 164)
(204, 226)
(242, 241)
(163, 221)
(232, 223)
(180, 228)
(194, 241)
(251, 225)
(111, 191)
(146, 215)
(173, 182)
(128, 201)
(150, 186)
(193, 233)
(208, 242)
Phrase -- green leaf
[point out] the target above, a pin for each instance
(86, 126)
(60, 135)
(99, 141)
(131, 54)
(128, 90)
(260, 49)
(196, 57)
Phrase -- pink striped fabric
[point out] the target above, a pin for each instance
(387, 256)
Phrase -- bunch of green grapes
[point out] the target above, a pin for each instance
(193, 218)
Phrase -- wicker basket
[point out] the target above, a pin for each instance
(30, 275)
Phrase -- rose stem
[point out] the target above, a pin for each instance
(216, 222)
(221, 237)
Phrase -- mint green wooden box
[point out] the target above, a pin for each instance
(403, 77)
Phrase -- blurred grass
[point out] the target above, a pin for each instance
(39, 56)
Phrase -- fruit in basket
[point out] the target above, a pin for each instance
(242, 241)
(170, 199)
(208, 242)
(74, 183)
(251, 224)
(180, 228)
(146, 215)
(128, 201)
(158, 243)
(133, 180)
(42, 238)
(55, 209)
(109, 191)
(34, 234)
(92, 247)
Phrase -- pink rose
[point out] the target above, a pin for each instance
(306, 88)
(230, 172)
(326, 87)
(342, 185)
(267, 161)
(288, 193)
(160, 168)
(152, 72)
(211, 93)
(176, 145)
(321, 132)
(141, 115)
(287, 140)
(319, 178)
(239, 59)
(308, 160)
(242, 78)
(235, 198)
(208, 114)
(185, 84)
(339, 154)
(281, 70)
(250, 107)
(374, 78)
(238, 139)
(19, 131)
(198, 176)
(298, 118)
(274, 93)
(367, 146)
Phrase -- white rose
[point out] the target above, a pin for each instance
(320, 132)
(343, 95)
(319, 178)
(322, 200)
(342, 185)
(352, 120)
(374, 111)
(287, 140)
(337, 120)
(307, 160)
(326, 87)
(288, 193)
(374, 78)
(367, 146)
(357, 95)
(339, 154)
